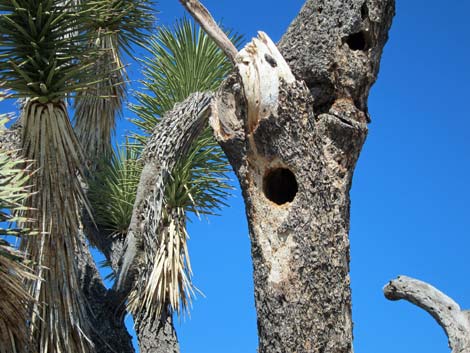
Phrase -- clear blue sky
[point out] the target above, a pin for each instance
(410, 212)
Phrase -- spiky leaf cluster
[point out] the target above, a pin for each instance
(183, 60)
(112, 192)
(14, 298)
(14, 190)
(131, 20)
(42, 52)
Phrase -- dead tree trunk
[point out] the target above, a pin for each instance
(293, 143)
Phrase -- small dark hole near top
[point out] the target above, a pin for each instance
(364, 11)
(357, 41)
(280, 186)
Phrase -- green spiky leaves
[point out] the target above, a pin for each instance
(131, 20)
(112, 191)
(42, 52)
(14, 190)
(183, 60)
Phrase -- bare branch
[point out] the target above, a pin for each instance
(207, 22)
(443, 309)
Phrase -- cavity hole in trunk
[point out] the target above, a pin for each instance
(357, 41)
(280, 185)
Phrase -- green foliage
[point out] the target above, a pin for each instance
(112, 192)
(131, 20)
(14, 190)
(199, 182)
(42, 51)
(183, 60)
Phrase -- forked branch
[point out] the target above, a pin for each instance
(207, 22)
(443, 309)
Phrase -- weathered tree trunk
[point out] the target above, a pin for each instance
(152, 337)
(294, 147)
(109, 333)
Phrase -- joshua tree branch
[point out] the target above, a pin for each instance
(443, 309)
(171, 139)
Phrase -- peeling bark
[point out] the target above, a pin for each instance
(447, 313)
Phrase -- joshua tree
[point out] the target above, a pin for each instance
(291, 119)
(182, 60)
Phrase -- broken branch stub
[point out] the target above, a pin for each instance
(442, 308)
(205, 19)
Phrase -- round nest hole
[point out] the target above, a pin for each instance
(280, 186)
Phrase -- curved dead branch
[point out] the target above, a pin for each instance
(443, 309)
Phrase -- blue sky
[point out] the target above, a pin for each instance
(410, 212)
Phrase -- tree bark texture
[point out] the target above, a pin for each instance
(158, 336)
(109, 333)
(293, 145)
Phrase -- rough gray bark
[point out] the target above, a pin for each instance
(335, 47)
(294, 151)
(158, 336)
(109, 334)
(447, 313)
